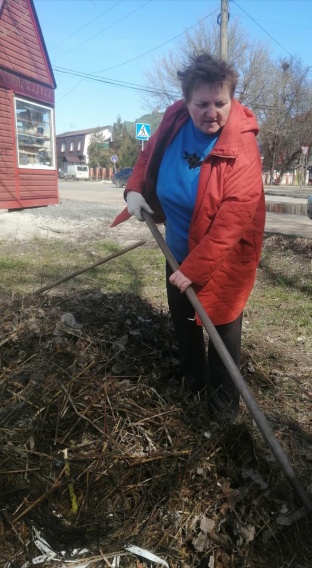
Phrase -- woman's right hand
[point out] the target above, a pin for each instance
(135, 204)
(180, 281)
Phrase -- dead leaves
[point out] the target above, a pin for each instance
(142, 458)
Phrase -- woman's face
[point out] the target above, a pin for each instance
(209, 107)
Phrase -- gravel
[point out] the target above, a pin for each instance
(69, 220)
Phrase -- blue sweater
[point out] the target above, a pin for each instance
(178, 181)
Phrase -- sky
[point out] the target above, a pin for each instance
(119, 41)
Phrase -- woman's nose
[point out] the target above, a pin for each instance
(210, 113)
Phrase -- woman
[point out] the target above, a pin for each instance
(201, 174)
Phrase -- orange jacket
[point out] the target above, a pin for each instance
(227, 226)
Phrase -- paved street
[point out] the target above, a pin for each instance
(93, 191)
(87, 205)
(106, 193)
(292, 225)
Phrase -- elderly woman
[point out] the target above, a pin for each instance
(200, 173)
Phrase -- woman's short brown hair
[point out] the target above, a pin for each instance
(206, 69)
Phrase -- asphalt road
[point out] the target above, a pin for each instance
(92, 191)
(91, 207)
(107, 194)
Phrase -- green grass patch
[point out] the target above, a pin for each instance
(27, 267)
(280, 303)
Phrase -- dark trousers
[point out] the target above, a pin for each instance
(198, 369)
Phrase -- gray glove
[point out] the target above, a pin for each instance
(135, 203)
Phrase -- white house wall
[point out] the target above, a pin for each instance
(106, 134)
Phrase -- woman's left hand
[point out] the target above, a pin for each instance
(180, 281)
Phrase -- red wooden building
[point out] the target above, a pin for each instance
(28, 174)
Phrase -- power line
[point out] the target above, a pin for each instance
(105, 29)
(85, 26)
(124, 84)
(158, 46)
(283, 24)
(139, 56)
(265, 31)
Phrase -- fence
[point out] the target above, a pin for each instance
(99, 174)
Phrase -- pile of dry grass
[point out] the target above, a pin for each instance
(97, 452)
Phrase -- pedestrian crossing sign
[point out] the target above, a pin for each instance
(142, 131)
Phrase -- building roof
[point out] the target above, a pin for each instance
(43, 43)
(83, 132)
(71, 158)
(22, 46)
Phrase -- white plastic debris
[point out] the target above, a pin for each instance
(146, 554)
(207, 434)
(49, 554)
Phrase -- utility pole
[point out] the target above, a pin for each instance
(223, 29)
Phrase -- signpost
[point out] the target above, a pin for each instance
(304, 150)
(114, 159)
(142, 132)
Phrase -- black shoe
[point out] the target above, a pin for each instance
(194, 385)
(171, 377)
(222, 411)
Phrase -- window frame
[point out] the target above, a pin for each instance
(50, 137)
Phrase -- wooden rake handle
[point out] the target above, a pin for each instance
(251, 403)
(86, 268)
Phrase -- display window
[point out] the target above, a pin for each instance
(34, 134)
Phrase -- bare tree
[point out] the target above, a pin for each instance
(278, 92)
(250, 58)
(286, 122)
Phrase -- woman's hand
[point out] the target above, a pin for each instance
(180, 281)
(135, 203)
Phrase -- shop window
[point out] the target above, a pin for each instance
(34, 135)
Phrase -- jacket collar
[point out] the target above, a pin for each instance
(240, 119)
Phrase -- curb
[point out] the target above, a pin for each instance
(290, 208)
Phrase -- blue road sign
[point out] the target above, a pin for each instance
(114, 158)
(142, 131)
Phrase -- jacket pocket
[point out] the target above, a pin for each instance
(244, 251)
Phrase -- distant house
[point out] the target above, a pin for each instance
(72, 147)
(28, 175)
